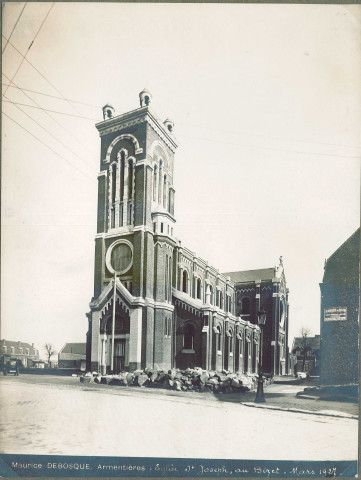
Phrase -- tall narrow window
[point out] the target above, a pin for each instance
(230, 342)
(245, 306)
(122, 164)
(155, 183)
(130, 178)
(211, 299)
(185, 281)
(170, 279)
(160, 182)
(114, 181)
(166, 278)
(165, 191)
(188, 339)
(219, 339)
(169, 201)
(198, 288)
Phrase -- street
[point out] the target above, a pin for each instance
(59, 415)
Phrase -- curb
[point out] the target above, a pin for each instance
(308, 397)
(298, 410)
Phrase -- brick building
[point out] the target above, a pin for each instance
(171, 308)
(265, 289)
(24, 352)
(72, 355)
(340, 293)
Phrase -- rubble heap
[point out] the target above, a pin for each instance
(191, 379)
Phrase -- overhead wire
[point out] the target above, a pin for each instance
(195, 126)
(43, 76)
(269, 136)
(52, 117)
(46, 145)
(268, 148)
(12, 31)
(52, 96)
(47, 131)
(52, 111)
(27, 51)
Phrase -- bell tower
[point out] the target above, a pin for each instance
(133, 274)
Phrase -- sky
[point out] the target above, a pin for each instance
(266, 105)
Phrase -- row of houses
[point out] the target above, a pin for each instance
(72, 355)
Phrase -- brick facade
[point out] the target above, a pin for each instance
(25, 352)
(172, 309)
(340, 292)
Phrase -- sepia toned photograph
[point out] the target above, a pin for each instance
(180, 240)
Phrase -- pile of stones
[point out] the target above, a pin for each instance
(191, 379)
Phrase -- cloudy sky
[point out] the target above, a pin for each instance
(266, 105)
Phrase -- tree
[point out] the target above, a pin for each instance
(303, 347)
(49, 350)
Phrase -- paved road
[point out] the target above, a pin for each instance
(48, 415)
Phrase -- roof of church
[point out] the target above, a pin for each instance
(74, 348)
(252, 275)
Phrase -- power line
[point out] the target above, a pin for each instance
(54, 151)
(268, 136)
(27, 51)
(269, 148)
(52, 111)
(52, 96)
(54, 119)
(12, 31)
(47, 131)
(192, 126)
(42, 75)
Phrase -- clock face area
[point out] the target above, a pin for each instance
(119, 257)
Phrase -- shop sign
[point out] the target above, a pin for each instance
(335, 314)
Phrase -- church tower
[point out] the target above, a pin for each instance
(131, 322)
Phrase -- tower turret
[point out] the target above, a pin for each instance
(145, 98)
(108, 111)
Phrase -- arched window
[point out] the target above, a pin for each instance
(230, 341)
(114, 181)
(188, 338)
(211, 298)
(130, 178)
(155, 174)
(160, 182)
(122, 164)
(185, 281)
(165, 195)
(146, 100)
(245, 305)
(219, 338)
(198, 289)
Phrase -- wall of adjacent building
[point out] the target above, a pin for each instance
(339, 338)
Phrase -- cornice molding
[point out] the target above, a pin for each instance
(135, 117)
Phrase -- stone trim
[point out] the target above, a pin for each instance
(124, 136)
(109, 253)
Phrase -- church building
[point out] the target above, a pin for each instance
(155, 302)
